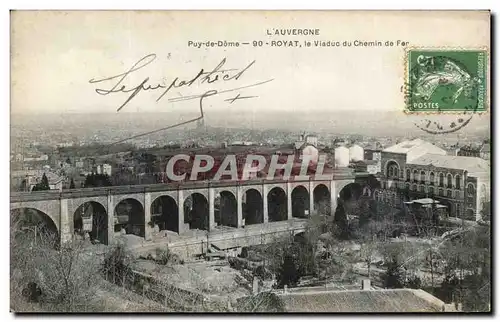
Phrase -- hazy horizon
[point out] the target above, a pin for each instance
(374, 123)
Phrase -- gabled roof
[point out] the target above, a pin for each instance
(415, 149)
(405, 146)
(473, 165)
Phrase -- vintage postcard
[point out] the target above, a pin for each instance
(250, 161)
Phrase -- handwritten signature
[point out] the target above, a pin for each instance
(213, 76)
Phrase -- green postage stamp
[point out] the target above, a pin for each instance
(446, 80)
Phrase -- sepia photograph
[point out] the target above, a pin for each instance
(250, 161)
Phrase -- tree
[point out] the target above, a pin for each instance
(468, 269)
(97, 180)
(23, 186)
(431, 259)
(72, 184)
(486, 211)
(449, 289)
(367, 251)
(45, 183)
(117, 265)
(288, 273)
(337, 264)
(341, 222)
(393, 277)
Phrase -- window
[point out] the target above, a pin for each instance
(392, 169)
(457, 194)
(458, 211)
(395, 171)
(448, 193)
(441, 192)
(457, 181)
(415, 175)
(471, 193)
(408, 175)
(471, 190)
(431, 177)
(422, 176)
(449, 181)
(441, 180)
(431, 191)
(422, 188)
(401, 173)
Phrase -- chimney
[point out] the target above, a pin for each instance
(366, 286)
(285, 289)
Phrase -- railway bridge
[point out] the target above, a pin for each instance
(181, 207)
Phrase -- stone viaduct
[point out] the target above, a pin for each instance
(61, 207)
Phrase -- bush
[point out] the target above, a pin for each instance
(414, 282)
(32, 292)
(50, 279)
(117, 265)
(263, 273)
(166, 257)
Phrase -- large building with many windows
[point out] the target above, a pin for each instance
(416, 169)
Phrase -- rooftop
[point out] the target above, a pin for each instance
(473, 165)
(406, 146)
(383, 300)
(414, 149)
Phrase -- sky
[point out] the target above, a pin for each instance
(56, 54)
